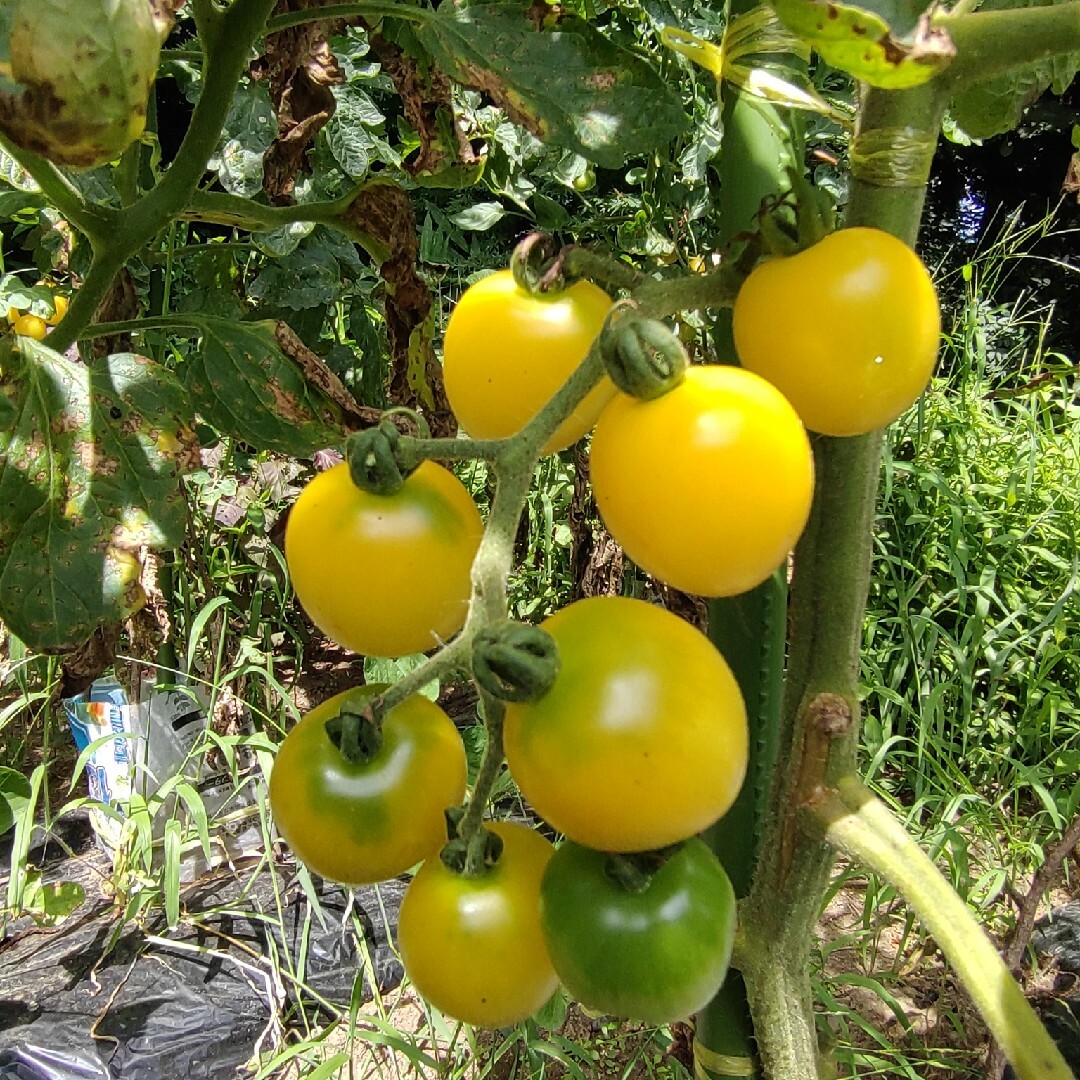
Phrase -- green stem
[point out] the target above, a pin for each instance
(990, 43)
(657, 297)
(413, 451)
(151, 322)
(819, 731)
(858, 824)
(490, 767)
(367, 9)
(450, 658)
(236, 211)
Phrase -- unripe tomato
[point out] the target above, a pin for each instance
(384, 575)
(473, 946)
(364, 822)
(641, 740)
(507, 351)
(708, 487)
(31, 326)
(656, 954)
(848, 330)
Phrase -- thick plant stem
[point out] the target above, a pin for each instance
(750, 630)
(857, 823)
(991, 43)
(820, 716)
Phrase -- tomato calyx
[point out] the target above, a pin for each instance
(469, 856)
(356, 734)
(536, 265)
(642, 356)
(634, 871)
(797, 220)
(375, 460)
(515, 661)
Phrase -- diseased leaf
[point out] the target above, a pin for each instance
(89, 466)
(564, 82)
(245, 383)
(869, 41)
(994, 106)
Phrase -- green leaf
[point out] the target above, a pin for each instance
(875, 43)
(250, 128)
(479, 217)
(346, 132)
(52, 903)
(566, 83)
(14, 797)
(993, 106)
(244, 383)
(89, 466)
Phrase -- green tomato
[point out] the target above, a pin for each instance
(658, 954)
(363, 822)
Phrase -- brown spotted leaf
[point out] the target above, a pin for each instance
(244, 384)
(564, 81)
(89, 466)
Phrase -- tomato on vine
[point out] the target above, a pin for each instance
(848, 330)
(507, 351)
(472, 946)
(641, 740)
(651, 943)
(707, 487)
(359, 822)
(384, 575)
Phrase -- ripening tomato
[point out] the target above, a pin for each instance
(848, 330)
(361, 822)
(657, 951)
(708, 487)
(507, 351)
(384, 575)
(641, 740)
(472, 946)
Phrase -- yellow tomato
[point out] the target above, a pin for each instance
(708, 487)
(384, 575)
(473, 947)
(508, 351)
(641, 740)
(848, 330)
(31, 326)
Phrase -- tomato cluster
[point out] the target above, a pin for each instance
(28, 323)
(638, 739)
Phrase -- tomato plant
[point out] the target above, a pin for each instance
(707, 487)
(360, 822)
(641, 740)
(472, 946)
(652, 945)
(848, 330)
(507, 351)
(384, 575)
